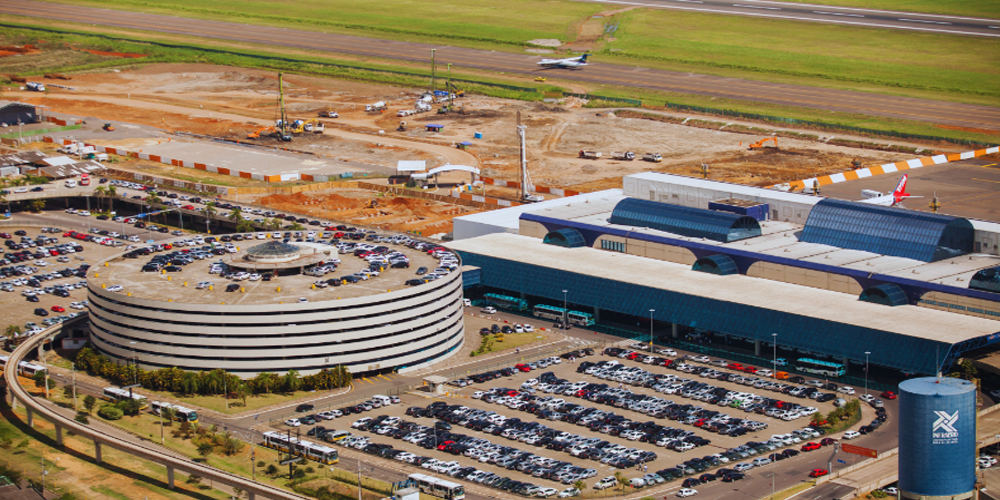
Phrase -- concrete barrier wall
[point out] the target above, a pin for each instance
(846, 470)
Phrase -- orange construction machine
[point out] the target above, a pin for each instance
(760, 144)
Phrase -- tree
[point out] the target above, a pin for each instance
(100, 192)
(111, 191)
(110, 412)
(621, 479)
(244, 226)
(580, 485)
(264, 381)
(274, 223)
(271, 470)
(232, 446)
(89, 402)
(241, 392)
(291, 381)
(205, 449)
(12, 331)
(37, 205)
(168, 413)
(296, 226)
(210, 209)
(236, 215)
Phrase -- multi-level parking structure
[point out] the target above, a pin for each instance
(376, 325)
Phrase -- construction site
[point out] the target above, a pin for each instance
(309, 128)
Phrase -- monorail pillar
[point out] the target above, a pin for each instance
(756, 348)
(597, 315)
(97, 452)
(673, 330)
(31, 416)
(251, 495)
(59, 438)
(170, 477)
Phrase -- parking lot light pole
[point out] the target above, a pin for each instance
(867, 353)
(774, 356)
(565, 321)
(651, 311)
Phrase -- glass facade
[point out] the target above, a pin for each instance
(987, 280)
(686, 221)
(840, 340)
(567, 237)
(716, 264)
(888, 231)
(886, 294)
(614, 246)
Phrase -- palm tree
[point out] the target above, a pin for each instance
(100, 192)
(264, 381)
(236, 214)
(210, 210)
(241, 392)
(111, 191)
(621, 480)
(580, 485)
(296, 227)
(274, 223)
(244, 226)
(291, 381)
(169, 414)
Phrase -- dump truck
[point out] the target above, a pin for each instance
(34, 86)
(590, 155)
(377, 107)
(329, 113)
(626, 156)
(653, 157)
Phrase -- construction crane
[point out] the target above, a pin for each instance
(760, 144)
(285, 135)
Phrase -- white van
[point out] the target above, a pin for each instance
(385, 400)
(70, 183)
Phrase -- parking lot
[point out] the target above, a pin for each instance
(547, 428)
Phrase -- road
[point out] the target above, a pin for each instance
(841, 101)
(871, 18)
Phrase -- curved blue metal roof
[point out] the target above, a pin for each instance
(888, 231)
(566, 237)
(887, 294)
(987, 280)
(716, 264)
(686, 221)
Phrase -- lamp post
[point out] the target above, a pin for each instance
(225, 388)
(565, 321)
(867, 353)
(651, 311)
(774, 355)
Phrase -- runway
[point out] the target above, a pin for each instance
(838, 101)
(849, 16)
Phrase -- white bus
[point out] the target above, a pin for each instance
(181, 414)
(29, 370)
(115, 394)
(307, 449)
(438, 487)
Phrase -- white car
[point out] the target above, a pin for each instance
(546, 492)
(569, 492)
(605, 483)
(983, 463)
(488, 310)
(85, 213)
(293, 422)
(852, 435)
(76, 305)
(846, 390)
(867, 398)
(687, 492)
(701, 359)
(528, 328)
(743, 467)
(668, 352)
(204, 284)
(115, 288)
(261, 236)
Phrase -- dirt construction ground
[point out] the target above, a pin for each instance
(232, 102)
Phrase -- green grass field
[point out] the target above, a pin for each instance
(887, 61)
(978, 8)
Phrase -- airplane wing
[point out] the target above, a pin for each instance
(885, 201)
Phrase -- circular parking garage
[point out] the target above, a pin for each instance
(362, 311)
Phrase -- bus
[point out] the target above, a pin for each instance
(556, 314)
(181, 414)
(295, 446)
(438, 487)
(818, 367)
(84, 179)
(115, 394)
(24, 368)
(505, 302)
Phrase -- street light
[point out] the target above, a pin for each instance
(651, 311)
(867, 353)
(774, 356)
(225, 389)
(135, 365)
(565, 321)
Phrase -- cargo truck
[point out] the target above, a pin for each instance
(653, 157)
(590, 155)
(626, 156)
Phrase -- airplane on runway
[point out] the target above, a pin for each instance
(887, 200)
(570, 62)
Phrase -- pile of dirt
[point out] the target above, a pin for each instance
(16, 50)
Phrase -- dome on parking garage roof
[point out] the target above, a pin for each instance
(273, 251)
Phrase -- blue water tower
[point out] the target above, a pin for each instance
(937, 438)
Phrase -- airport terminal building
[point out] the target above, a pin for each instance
(815, 275)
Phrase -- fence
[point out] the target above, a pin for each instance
(794, 121)
(592, 97)
(38, 131)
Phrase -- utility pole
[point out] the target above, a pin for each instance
(433, 72)
(359, 477)
(74, 388)
(522, 161)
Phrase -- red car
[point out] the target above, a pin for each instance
(888, 395)
(818, 473)
(7, 235)
(735, 366)
(523, 367)
(810, 446)
(827, 441)
(58, 309)
(750, 369)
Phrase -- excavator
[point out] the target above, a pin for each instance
(760, 144)
(455, 90)
(256, 133)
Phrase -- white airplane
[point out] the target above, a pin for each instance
(887, 200)
(571, 62)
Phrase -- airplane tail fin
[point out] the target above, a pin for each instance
(900, 192)
(583, 58)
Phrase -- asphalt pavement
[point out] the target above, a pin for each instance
(842, 101)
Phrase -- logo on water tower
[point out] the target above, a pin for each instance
(943, 429)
